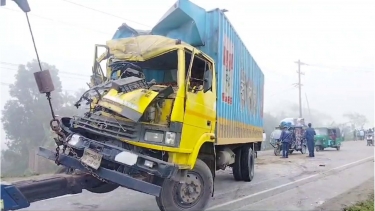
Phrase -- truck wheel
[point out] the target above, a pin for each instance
(247, 163)
(338, 148)
(236, 169)
(194, 194)
(317, 148)
(101, 188)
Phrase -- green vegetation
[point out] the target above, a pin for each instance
(25, 119)
(367, 205)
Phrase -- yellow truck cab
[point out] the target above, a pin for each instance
(172, 106)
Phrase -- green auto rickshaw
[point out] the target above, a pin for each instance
(328, 137)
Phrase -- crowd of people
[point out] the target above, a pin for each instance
(360, 134)
(287, 137)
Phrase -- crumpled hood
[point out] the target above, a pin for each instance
(131, 104)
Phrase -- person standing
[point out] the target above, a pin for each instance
(355, 134)
(286, 138)
(362, 134)
(309, 136)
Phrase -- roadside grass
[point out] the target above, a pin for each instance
(367, 205)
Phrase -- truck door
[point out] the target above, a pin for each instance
(200, 106)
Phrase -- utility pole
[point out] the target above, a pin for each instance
(299, 85)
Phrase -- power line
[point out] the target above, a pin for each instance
(8, 84)
(344, 68)
(62, 22)
(63, 72)
(106, 13)
(65, 75)
(61, 76)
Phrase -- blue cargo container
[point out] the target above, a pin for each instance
(240, 80)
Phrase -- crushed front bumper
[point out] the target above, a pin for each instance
(161, 170)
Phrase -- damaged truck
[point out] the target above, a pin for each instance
(169, 107)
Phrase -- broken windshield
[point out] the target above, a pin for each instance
(162, 70)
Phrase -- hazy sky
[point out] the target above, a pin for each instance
(336, 39)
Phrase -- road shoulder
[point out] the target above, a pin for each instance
(349, 198)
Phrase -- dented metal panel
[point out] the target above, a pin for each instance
(240, 82)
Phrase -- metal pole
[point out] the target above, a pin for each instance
(299, 84)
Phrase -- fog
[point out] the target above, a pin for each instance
(335, 40)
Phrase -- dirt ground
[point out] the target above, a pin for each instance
(359, 193)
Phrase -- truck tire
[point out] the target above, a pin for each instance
(236, 169)
(101, 188)
(194, 194)
(247, 163)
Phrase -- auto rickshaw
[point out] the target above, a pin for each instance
(328, 137)
(297, 127)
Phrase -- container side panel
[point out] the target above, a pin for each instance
(240, 83)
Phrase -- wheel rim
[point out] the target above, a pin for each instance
(303, 150)
(188, 194)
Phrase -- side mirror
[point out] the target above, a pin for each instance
(207, 81)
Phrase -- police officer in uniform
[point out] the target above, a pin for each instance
(286, 139)
(309, 135)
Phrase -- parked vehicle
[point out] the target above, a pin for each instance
(327, 137)
(174, 105)
(297, 128)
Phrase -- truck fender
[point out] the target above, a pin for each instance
(206, 137)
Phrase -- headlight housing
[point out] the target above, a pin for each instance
(154, 136)
(170, 138)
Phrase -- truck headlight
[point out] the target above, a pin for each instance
(75, 140)
(154, 136)
(170, 138)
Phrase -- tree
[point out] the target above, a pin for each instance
(27, 115)
(356, 119)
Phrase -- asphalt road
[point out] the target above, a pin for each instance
(297, 183)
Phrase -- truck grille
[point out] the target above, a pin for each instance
(108, 127)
